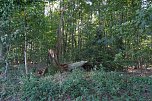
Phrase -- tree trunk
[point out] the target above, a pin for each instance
(6, 69)
(25, 55)
(0, 51)
(60, 36)
(25, 44)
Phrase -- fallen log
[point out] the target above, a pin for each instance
(68, 67)
(85, 65)
(82, 64)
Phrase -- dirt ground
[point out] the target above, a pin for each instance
(139, 71)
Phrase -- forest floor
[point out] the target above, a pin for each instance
(14, 79)
(139, 72)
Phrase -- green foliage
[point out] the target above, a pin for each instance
(75, 85)
(35, 89)
(118, 57)
(10, 87)
(52, 69)
(96, 86)
(111, 35)
(89, 30)
(2, 64)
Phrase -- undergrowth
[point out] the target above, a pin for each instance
(84, 86)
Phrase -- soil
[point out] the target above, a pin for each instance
(139, 72)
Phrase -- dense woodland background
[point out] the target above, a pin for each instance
(112, 35)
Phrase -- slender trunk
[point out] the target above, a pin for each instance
(6, 61)
(63, 32)
(25, 44)
(60, 35)
(66, 40)
(101, 22)
(1, 46)
(25, 54)
(6, 69)
(79, 36)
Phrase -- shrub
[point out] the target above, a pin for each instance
(94, 85)
(38, 89)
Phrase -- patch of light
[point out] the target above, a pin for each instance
(89, 2)
(93, 18)
(144, 4)
(104, 2)
(51, 6)
(47, 9)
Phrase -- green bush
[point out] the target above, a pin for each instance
(35, 89)
(94, 86)
(120, 87)
(76, 85)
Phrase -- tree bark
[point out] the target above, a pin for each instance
(6, 69)
(25, 43)
(60, 35)
(0, 51)
(25, 55)
(76, 65)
